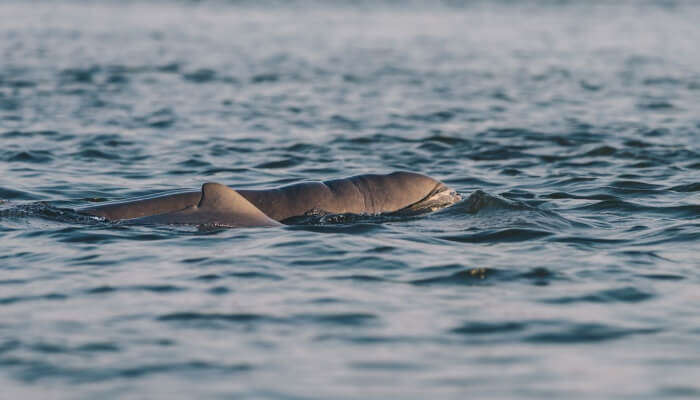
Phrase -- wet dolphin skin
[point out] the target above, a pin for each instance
(221, 205)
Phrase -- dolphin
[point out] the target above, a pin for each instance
(220, 205)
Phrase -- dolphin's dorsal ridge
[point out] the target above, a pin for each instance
(224, 205)
(216, 195)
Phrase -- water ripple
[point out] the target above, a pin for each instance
(625, 294)
(568, 129)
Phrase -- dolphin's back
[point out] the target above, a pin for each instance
(218, 205)
(361, 194)
(144, 206)
(392, 192)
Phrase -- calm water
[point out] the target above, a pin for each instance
(570, 270)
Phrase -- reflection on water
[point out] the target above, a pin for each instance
(569, 269)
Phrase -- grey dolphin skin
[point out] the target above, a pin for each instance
(220, 205)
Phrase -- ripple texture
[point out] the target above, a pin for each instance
(569, 269)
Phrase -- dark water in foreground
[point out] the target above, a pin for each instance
(570, 270)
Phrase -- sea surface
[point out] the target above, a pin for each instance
(571, 269)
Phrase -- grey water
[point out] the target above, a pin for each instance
(571, 269)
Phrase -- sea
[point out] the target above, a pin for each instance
(570, 269)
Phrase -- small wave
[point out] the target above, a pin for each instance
(603, 151)
(30, 134)
(285, 163)
(663, 277)
(33, 370)
(360, 339)
(469, 181)
(499, 236)
(569, 333)
(396, 366)
(17, 83)
(565, 195)
(159, 119)
(95, 154)
(265, 78)
(145, 288)
(690, 211)
(19, 299)
(634, 185)
(691, 187)
(373, 139)
(54, 348)
(239, 275)
(359, 278)
(28, 156)
(202, 75)
(436, 116)
(677, 233)
(344, 319)
(13, 194)
(625, 294)
(107, 140)
(547, 331)
(589, 242)
(487, 328)
(206, 319)
(480, 276)
(86, 238)
(172, 67)
(194, 163)
(656, 105)
(480, 202)
(255, 275)
(346, 224)
(79, 75)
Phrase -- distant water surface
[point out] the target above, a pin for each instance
(570, 270)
